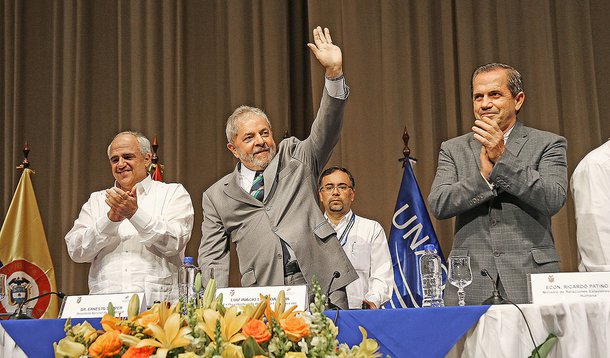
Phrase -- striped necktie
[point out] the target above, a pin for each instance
(258, 187)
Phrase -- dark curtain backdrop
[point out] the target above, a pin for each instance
(74, 73)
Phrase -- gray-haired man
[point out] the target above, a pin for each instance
(134, 233)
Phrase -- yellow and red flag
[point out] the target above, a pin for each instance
(26, 269)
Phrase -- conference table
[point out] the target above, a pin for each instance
(471, 331)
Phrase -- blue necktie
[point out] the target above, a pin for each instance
(258, 187)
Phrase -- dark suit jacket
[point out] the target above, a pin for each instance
(506, 230)
(289, 210)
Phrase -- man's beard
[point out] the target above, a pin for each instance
(336, 206)
(258, 162)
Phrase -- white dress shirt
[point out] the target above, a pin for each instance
(368, 251)
(141, 254)
(591, 190)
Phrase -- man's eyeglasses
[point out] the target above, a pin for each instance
(330, 188)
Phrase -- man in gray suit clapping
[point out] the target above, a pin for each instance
(268, 205)
(503, 181)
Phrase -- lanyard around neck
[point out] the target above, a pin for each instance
(343, 238)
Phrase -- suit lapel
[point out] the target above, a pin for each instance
(516, 139)
(475, 146)
(270, 174)
(234, 190)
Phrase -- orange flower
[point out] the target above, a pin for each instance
(256, 329)
(106, 345)
(147, 318)
(111, 323)
(139, 352)
(295, 328)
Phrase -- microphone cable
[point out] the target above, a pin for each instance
(484, 272)
(535, 352)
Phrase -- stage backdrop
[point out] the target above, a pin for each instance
(74, 73)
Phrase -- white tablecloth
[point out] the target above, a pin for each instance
(583, 329)
(8, 348)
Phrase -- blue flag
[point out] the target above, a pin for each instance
(411, 230)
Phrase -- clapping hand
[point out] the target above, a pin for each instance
(328, 55)
(491, 137)
(123, 204)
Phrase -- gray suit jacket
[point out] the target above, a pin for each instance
(289, 211)
(506, 230)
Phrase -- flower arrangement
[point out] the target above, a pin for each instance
(206, 328)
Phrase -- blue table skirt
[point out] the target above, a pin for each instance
(407, 332)
(35, 337)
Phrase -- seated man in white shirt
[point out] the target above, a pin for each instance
(133, 234)
(363, 241)
(591, 189)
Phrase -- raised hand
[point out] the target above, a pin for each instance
(328, 55)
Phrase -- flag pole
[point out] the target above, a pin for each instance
(411, 229)
(26, 268)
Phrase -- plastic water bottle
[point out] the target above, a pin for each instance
(431, 278)
(186, 282)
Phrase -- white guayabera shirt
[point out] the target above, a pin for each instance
(591, 190)
(367, 249)
(138, 254)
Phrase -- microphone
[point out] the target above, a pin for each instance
(18, 314)
(495, 298)
(336, 274)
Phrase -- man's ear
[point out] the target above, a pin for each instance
(519, 99)
(148, 159)
(231, 147)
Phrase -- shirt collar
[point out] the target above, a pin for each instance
(507, 133)
(143, 187)
(246, 172)
(342, 223)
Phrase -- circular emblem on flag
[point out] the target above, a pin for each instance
(21, 280)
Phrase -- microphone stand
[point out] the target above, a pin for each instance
(496, 298)
(329, 304)
(18, 314)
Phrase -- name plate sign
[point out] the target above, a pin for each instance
(547, 288)
(241, 296)
(94, 306)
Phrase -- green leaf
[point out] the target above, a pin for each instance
(543, 350)
(111, 309)
(250, 348)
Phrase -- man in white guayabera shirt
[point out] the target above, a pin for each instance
(134, 233)
(363, 241)
(591, 190)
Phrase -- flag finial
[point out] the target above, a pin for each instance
(155, 146)
(406, 151)
(25, 164)
(156, 169)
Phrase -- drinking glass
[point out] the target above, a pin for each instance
(460, 275)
